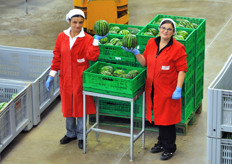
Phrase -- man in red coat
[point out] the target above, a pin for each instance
(165, 59)
(73, 50)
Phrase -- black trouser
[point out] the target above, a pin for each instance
(167, 137)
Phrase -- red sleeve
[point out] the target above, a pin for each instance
(147, 49)
(180, 60)
(93, 51)
(57, 55)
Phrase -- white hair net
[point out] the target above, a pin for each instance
(73, 12)
(174, 23)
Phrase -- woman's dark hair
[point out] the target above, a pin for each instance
(76, 16)
(167, 21)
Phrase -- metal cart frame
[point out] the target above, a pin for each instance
(95, 127)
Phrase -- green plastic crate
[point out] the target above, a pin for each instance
(111, 50)
(200, 56)
(198, 97)
(189, 42)
(200, 44)
(187, 96)
(200, 30)
(129, 61)
(187, 110)
(199, 83)
(199, 70)
(122, 108)
(95, 82)
(188, 83)
(190, 67)
(130, 28)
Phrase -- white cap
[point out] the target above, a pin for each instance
(174, 23)
(73, 12)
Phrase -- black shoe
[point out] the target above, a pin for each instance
(156, 149)
(80, 144)
(66, 139)
(166, 155)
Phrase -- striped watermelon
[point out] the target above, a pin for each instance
(101, 27)
(129, 41)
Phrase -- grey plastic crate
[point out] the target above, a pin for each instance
(219, 151)
(219, 114)
(30, 66)
(16, 116)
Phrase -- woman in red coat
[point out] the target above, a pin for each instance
(73, 50)
(165, 59)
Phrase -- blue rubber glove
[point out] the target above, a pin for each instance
(49, 82)
(133, 50)
(177, 93)
(98, 37)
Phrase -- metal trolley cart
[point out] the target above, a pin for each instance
(95, 127)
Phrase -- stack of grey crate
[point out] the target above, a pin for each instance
(23, 71)
(219, 117)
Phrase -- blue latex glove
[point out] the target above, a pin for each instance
(49, 82)
(98, 37)
(133, 50)
(177, 93)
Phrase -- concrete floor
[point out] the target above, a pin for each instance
(39, 30)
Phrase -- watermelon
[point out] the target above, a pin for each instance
(129, 41)
(114, 41)
(133, 73)
(148, 34)
(194, 25)
(107, 68)
(182, 33)
(106, 73)
(118, 44)
(135, 31)
(112, 32)
(178, 37)
(110, 44)
(104, 40)
(119, 73)
(115, 28)
(101, 27)
(153, 31)
(124, 32)
(2, 105)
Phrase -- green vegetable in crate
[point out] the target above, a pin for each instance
(109, 44)
(118, 43)
(129, 41)
(186, 24)
(178, 37)
(107, 68)
(133, 73)
(153, 31)
(114, 41)
(135, 31)
(115, 28)
(104, 40)
(124, 32)
(106, 73)
(2, 105)
(119, 73)
(15, 94)
(127, 76)
(194, 25)
(182, 33)
(148, 34)
(112, 32)
(101, 27)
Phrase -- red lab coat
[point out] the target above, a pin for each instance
(71, 64)
(162, 72)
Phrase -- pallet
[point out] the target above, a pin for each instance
(124, 121)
